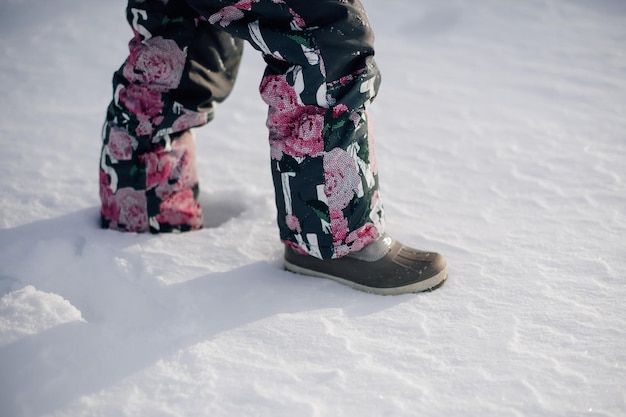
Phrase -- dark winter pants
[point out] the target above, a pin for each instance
(319, 79)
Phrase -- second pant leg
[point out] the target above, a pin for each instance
(177, 68)
(320, 77)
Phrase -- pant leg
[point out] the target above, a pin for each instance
(178, 67)
(320, 78)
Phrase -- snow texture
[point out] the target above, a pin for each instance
(501, 134)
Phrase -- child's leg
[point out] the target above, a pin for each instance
(320, 77)
(177, 68)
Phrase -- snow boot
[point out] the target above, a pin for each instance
(385, 267)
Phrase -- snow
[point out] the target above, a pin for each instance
(501, 135)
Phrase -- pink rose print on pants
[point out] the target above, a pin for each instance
(109, 207)
(293, 223)
(132, 209)
(342, 181)
(362, 237)
(229, 14)
(341, 175)
(121, 144)
(141, 100)
(345, 242)
(157, 62)
(180, 165)
(294, 129)
(159, 165)
(338, 226)
(278, 94)
(188, 120)
(145, 104)
(170, 173)
(153, 67)
(181, 208)
(302, 131)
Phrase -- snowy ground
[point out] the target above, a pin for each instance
(501, 131)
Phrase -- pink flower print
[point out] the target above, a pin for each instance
(295, 247)
(185, 170)
(355, 118)
(297, 134)
(144, 127)
(109, 209)
(164, 190)
(181, 208)
(341, 177)
(121, 144)
(132, 209)
(339, 109)
(338, 225)
(362, 237)
(145, 103)
(279, 124)
(159, 165)
(293, 223)
(188, 120)
(229, 14)
(158, 62)
(183, 174)
(226, 16)
(294, 129)
(341, 251)
(278, 94)
(141, 100)
(297, 19)
(308, 133)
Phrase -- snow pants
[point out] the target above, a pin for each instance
(319, 79)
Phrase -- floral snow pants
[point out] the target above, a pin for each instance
(320, 78)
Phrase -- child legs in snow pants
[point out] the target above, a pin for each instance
(319, 79)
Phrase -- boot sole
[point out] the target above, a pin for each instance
(428, 284)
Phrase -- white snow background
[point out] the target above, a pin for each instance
(501, 137)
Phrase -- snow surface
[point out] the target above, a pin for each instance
(501, 131)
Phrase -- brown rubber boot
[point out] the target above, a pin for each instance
(384, 267)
